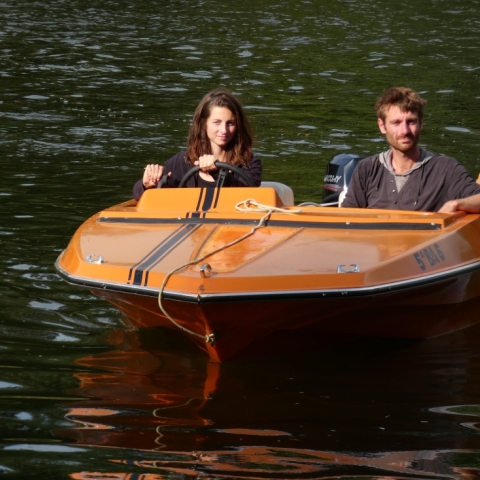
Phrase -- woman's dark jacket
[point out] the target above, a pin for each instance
(178, 167)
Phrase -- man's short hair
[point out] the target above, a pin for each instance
(405, 99)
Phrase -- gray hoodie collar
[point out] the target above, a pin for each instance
(385, 159)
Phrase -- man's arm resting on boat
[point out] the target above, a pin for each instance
(469, 204)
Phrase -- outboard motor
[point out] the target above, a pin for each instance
(338, 175)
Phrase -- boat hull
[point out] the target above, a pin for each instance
(244, 284)
(248, 329)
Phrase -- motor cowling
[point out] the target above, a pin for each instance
(338, 175)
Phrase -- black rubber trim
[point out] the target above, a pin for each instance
(273, 223)
(283, 295)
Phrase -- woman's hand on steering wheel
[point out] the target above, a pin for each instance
(224, 168)
(206, 163)
(152, 175)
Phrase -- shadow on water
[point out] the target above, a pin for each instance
(163, 410)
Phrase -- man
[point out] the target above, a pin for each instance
(407, 177)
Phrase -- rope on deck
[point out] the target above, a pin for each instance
(246, 206)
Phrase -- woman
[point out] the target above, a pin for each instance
(220, 131)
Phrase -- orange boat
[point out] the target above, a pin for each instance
(243, 273)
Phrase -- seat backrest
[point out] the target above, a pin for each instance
(284, 192)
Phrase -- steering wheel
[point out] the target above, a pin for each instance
(223, 169)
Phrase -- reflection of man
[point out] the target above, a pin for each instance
(407, 177)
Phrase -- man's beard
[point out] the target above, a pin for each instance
(399, 145)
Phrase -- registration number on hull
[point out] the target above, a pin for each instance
(429, 256)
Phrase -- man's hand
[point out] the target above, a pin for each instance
(449, 207)
(468, 204)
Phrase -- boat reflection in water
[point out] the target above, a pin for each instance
(139, 393)
(162, 412)
(262, 462)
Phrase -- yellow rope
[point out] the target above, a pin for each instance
(210, 337)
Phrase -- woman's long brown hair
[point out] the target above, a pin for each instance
(239, 150)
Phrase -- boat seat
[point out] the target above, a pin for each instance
(284, 192)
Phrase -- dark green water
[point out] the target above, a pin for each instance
(89, 93)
